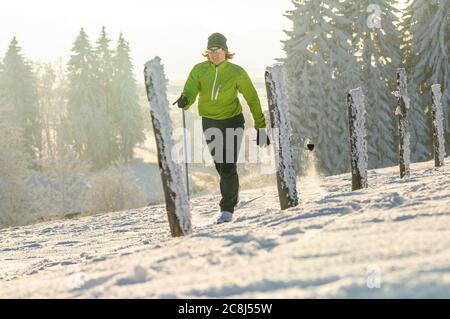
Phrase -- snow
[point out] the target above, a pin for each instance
(438, 124)
(394, 235)
(160, 108)
(359, 155)
(283, 129)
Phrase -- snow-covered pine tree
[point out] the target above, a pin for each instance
(427, 28)
(304, 114)
(86, 120)
(419, 129)
(105, 76)
(60, 95)
(50, 109)
(321, 69)
(377, 40)
(18, 94)
(126, 112)
(14, 193)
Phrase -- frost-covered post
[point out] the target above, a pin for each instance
(358, 143)
(403, 105)
(438, 126)
(177, 203)
(279, 122)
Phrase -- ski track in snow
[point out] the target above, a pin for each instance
(326, 247)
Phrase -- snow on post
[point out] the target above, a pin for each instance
(403, 105)
(438, 126)
(177, 203)
(358, 143)
(279, 120)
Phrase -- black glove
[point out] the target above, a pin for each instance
(262, 139)
(182, 102)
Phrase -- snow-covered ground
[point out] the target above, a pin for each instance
(390, 240)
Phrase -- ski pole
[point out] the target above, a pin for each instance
(185, 154)
(185, 150)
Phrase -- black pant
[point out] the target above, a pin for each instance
(224, 147)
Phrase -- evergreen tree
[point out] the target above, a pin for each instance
(377, 40)
(126, 115)
(14, 193)
(419, 126)
(18, 94)
(86, 121)
(49, 108)
(321, 69)
(105, 76)
(427, 49)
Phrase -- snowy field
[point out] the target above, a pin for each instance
(390, 240)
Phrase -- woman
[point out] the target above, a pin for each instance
(217, 82)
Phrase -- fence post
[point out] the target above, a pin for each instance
(402, 110)
(358, 143)
(279, 122)
(177, 204)
(438, 126)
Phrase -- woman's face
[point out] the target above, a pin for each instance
(216, 55)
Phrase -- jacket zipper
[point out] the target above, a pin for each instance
(214, 86)
(217, 94)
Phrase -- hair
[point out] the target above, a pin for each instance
(228, 55)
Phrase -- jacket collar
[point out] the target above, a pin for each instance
(221, 65)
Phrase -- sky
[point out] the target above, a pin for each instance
(174, 30)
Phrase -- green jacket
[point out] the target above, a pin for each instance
(217, 87)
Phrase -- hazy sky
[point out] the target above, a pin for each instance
(175, 30)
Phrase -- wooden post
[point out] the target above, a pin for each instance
(358, 143)
(438, 126)
(177, 204)
(403, 106)
(279, 122)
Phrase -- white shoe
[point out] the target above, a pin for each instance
(225, 217)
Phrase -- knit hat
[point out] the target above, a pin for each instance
(217, 40)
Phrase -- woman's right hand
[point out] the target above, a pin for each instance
(183, 101)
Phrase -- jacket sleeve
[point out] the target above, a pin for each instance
(245, 86)
(191, 88)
